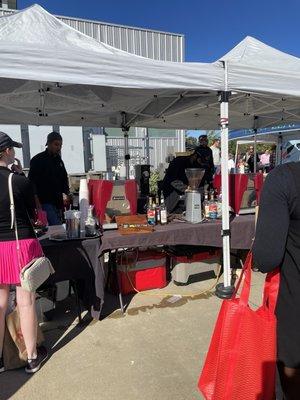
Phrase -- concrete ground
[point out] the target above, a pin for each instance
(154, 351)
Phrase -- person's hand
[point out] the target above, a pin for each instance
(17, 168)
(68, 200)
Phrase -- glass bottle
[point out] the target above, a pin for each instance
(150, 213)
(157, 211)
(163, 212)
(90, 223)
(206, 206)
(213, 207)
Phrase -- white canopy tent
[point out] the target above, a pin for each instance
(53, 74)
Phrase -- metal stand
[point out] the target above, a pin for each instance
(113, 268)
(73, 284)
(225, 290)
(125, 129)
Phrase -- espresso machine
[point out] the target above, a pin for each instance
(193, 209)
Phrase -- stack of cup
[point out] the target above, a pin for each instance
(83, 204)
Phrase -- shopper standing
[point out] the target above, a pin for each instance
(10, 263)
(277, 244)
(50, 179)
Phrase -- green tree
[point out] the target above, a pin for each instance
(190, 142)
(211, 135)
(154, 177)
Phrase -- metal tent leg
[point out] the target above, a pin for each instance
(225, 289)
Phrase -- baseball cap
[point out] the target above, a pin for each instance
(6, 142)
(53, 136)
(202, 137)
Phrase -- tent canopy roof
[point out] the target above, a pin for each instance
(52, 74)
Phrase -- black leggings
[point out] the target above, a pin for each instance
(290, 381)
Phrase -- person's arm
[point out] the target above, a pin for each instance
(25, 190)
(33, 176)
(179, 185)
(211, 162)
(211, 170)
(17, 168)
(173, 174)
(273, 220)
(65, 183)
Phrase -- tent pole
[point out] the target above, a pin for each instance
(255, 151)
(279, 151)
(225, 290)
(125, 129)
(147, 146)
(236, 154)
(255, 143)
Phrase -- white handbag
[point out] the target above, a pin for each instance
(38, 270)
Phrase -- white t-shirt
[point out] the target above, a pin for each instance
(231, 165)
(216, 155)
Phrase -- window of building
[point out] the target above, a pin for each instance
(12, 4)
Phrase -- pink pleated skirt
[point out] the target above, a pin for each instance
(9, 266)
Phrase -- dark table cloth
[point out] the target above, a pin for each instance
(203, 234)
(79, 260)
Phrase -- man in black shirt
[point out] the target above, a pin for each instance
(50, 178)
(207, 158)
(249, 159)
(175, 181)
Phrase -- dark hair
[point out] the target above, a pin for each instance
(202, 137)
(53, 136)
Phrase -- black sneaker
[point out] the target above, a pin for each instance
(35, 364)
(1, 365)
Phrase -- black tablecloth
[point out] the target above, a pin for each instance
(203, 234)
(79, 260)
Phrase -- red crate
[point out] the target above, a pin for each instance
(147, 271)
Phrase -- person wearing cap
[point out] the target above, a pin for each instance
(29, 248)
(206, 155)
(175, 181)
(50, 179)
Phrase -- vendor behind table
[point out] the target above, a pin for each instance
(175, 181)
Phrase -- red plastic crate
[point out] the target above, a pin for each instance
(205, 255)
(144, 272)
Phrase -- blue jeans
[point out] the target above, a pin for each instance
(53, 214)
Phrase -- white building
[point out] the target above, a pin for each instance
(146, 146)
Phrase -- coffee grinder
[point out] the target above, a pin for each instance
(193, 209)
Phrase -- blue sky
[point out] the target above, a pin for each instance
(211, 28)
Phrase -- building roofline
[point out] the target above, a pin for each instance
(119, 25)
(10, 10)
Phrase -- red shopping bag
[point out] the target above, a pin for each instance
(241, 359)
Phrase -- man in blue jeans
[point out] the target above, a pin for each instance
(50, 179)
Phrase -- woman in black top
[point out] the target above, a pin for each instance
(11, 261)
(277, 243)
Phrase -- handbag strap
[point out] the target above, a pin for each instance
(246, 275)
(13, 218)
(271, 286)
